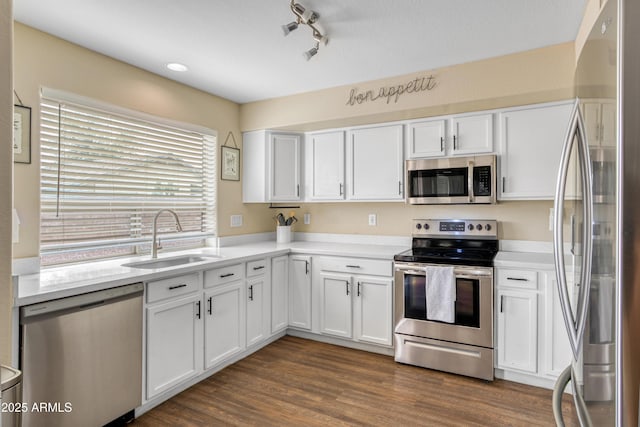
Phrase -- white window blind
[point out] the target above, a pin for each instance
(104, 176)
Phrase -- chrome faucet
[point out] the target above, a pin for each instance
(155, 246)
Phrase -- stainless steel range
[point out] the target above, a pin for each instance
(444, 297)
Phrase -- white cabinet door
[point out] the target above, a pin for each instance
(517, 330)
(336, 305)
(300, 291)
(531, 146)
(284, 167)
(326, 165)
(426, 138)
(279, 293)
(557, 350)
(376, 163)
(472, 134)
(373, 309)
(257, 319)
(224, 327)
(174, 339)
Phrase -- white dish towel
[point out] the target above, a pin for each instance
(440, 293)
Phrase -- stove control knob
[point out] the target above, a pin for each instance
(470, 227)
(479, 227)
(418, 226)
(487, 227)
(426, 226)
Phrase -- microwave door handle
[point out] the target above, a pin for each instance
(470, 182)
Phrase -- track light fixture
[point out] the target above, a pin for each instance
(310, 18)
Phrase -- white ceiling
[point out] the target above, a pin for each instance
(236, 49)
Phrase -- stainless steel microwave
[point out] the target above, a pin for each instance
(455, 180)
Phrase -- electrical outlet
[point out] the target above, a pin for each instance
(551, 214)
(307, 218)
(236, 220)
(373, 219)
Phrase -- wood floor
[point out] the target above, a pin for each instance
(299, 382)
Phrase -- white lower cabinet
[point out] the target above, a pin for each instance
(530, 331)
(279, 293)
(258, 301)
(335, 305)
(518, 330)
(355, 306)
(373, 311)
(300, 291)
(174, 337)
(224, 321)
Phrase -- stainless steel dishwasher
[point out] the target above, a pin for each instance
(81, 358)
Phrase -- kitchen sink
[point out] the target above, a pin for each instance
(170, 262)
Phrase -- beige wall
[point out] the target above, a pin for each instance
(523, 78)
(42, 60)
(539, 75)
(6, 168)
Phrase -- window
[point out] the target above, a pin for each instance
(104, 176)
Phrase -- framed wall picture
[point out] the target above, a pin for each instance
(21, 134)
(230, 163)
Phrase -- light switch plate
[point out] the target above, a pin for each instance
(307, 218)
(236, 220)
(373, 219)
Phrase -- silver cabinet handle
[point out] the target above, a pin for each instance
(400, 188)
(352, 266)
(341, 190)
(501, 303)
(222, 276)
(183, 285)
(210, 303)
(575, 325)
(298, 190)
(346, 282)
(359, 286)
(251, 293)
(441, 143)
(198, 312)
(504, 180)
(455, 145)
(520, 279)
(260, 267)
(306, 267)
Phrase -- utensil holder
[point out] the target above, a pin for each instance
(283, 234)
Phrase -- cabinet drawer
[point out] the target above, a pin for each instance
(357, 266)
(521, 279)
(223, 275)
(168, 288)
(256, 268)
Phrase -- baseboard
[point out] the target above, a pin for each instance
(372, 348)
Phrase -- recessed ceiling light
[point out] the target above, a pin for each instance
(175, 66)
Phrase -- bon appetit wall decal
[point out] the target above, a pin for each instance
(388, 93)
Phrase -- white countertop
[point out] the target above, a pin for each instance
(533, 260)
(61, 282)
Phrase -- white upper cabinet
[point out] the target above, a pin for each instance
(531, 140)
(284, 173)
(472, 134)
(453, 135)
(426, 138)
(376, 163)
(271, 169)
(326, 165)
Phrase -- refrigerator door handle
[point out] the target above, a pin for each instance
(568, 375)
(575, 325)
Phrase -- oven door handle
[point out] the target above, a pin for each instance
(466, 275)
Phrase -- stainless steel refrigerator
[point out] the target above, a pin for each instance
(597, 224)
